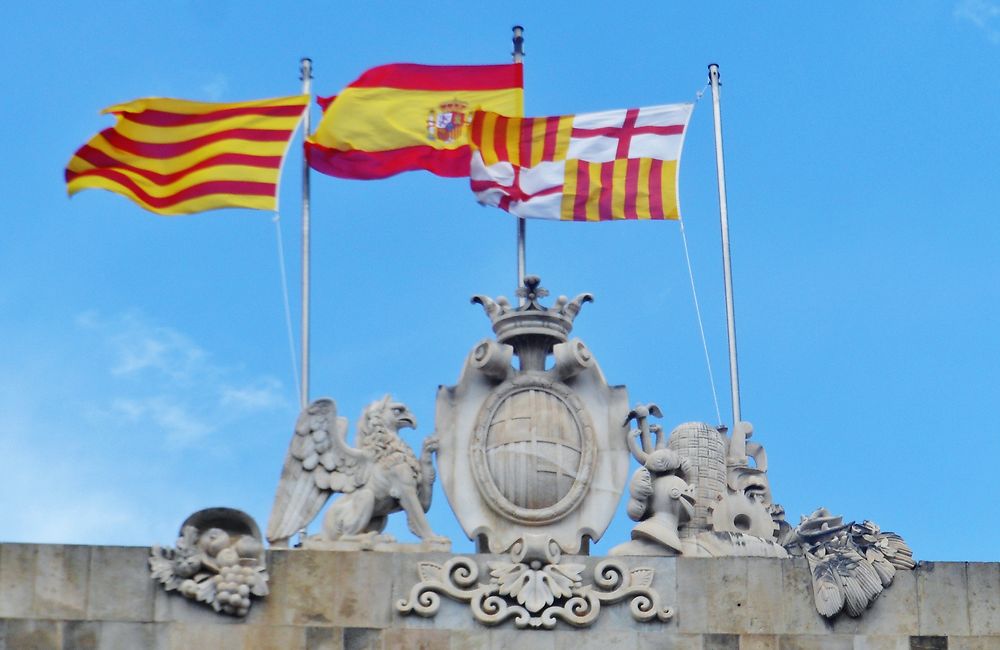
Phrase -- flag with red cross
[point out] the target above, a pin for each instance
(606, 166)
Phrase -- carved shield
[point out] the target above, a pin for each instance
(532, 452)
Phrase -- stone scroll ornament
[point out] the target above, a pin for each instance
(534, 589)
(218, 560)
(380, 476)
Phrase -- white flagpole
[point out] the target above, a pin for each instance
(734, 379)
(518, 57)
(306, 69)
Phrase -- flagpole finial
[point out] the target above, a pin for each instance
(713, 73)
(518, 39)
(305, 68)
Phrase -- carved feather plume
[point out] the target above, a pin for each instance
(319, 462)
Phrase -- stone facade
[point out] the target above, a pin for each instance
(79, 597)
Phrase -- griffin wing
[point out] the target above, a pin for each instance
(319, 462)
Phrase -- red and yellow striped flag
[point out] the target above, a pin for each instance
(405, 117)
(173, 156)
(590, 167)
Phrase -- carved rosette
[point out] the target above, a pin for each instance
(534, 589)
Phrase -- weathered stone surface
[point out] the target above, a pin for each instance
(147, 636)
(81, 635)
(666, 641)
(360, 638)
(117, 589)
(721, 642)
(17, 579)
(299, 597)
(814, 642)
(712, 595)
(61, 574)
(324, 638)
(595, 640)
(286, 637)
(415, 639)
(882, 643)
(928, 643)
(972, 643)
(319, 588)
(183, 636)
(509, 638)
(474, 640)
(763, 606)
(799, 612)
(984, 604)
(26, 634)
(942, 595)
(758, 642)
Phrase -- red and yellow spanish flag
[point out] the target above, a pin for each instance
(173, 156)
(404, 117)
(621, 164)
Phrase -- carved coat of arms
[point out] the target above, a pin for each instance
(540, 449)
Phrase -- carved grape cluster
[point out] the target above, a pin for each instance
(233, 587)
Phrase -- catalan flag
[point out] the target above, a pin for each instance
(404, 117)
(173, 156)
(605, 166)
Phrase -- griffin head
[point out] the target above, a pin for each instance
(389, 414)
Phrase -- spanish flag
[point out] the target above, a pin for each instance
(173, 156)
(404, 117)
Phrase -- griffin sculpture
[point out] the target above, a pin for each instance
(380, 476)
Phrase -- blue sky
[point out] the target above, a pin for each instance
(144, 363)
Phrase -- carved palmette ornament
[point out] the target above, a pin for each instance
(536, 449)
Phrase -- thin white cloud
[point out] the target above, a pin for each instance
(173, 420)
(169, 385)
(266, 394)
(137, 346)
(983, 14)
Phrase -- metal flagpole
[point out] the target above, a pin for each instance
(734, 379)
(306, 69)
(518, 56)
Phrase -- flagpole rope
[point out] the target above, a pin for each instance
(284, 292)
(701, 326)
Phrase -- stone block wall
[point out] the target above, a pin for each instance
(81, 597)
